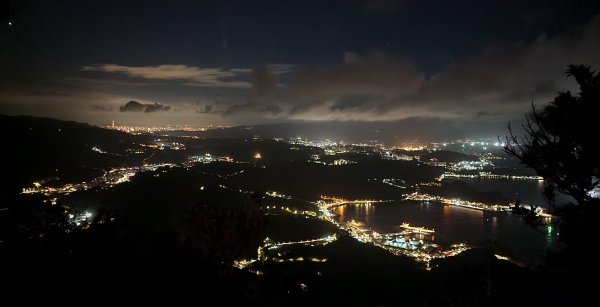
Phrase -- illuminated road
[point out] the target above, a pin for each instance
(337, 201)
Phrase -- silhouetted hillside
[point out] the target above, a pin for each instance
(392, 132)
(447, 156)
(462, 190)
(39, 148)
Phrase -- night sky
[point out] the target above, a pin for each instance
(252, 62)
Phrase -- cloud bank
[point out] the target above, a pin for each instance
(189, 75)
(134, 106)
(497, 83)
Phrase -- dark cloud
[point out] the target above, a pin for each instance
(270, 110)
(353, 102)
(356, 83)
(506, 78)
(207, 109)
(134, 106)
(56, 98)
(103, 108)
(217, 77)
(281, 69)
(189, 75)
(377, 73)
(499, 81)
(488, 114)
(261, 100)
(156, 107)
(265, 82)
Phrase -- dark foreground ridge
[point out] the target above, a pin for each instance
(174, 232)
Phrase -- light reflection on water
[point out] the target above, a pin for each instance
(455, 225)
(528, 191)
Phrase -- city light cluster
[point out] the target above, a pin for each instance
(391, 155)
(490, 176)
(161, 144)
(207, 158)
(81, 219)
(110, 178)
(470, 165)
(398, 183)
(154, 129)
(268, 246)
(278, 195)
(403, 243)
(475, 205)
(457, 202)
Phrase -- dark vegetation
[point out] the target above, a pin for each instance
(310, 180)
(112, 260)
(561, 146)
(462, 190)
(447, 156)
